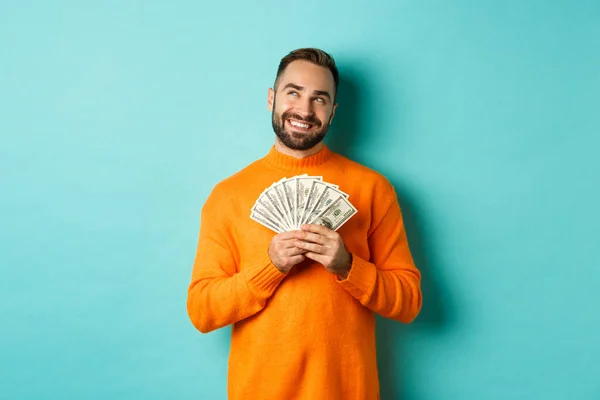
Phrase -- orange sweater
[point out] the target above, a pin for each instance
(308, 334)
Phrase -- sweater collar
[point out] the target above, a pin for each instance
(278, 160)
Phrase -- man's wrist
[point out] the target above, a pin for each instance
(344, 274)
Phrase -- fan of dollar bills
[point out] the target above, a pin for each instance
(292, 202)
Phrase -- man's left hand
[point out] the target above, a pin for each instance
(326, 247)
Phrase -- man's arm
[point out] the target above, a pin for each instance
(218, 294)
(389, 284)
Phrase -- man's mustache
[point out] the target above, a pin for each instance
(310, 120)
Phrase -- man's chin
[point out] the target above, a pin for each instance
(300, 136)
(300, 141)
(301, 146)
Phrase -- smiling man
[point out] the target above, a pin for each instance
(302, 116)
(303, 301)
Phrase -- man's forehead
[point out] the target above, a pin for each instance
(309, 75)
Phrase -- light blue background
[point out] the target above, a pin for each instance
(117, 118)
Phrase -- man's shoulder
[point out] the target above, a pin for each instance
(237, 180)
(222, 195)
(360, 172)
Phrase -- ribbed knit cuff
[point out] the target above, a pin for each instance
(361, 279)
(263, 277)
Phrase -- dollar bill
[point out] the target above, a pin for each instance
(258, 218)
(337, 214)
(266, 205)
(328, 196)
(303, 186)
(291, 202)
(261, 211)
(289, 197)
(274, 197)
(316, 190)
(280, 195)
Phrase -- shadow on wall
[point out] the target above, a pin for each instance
(342, 137)
(393, 338)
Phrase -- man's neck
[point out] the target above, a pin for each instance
(280, 147)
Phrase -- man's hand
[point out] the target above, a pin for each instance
(283, 251)
(326, 247)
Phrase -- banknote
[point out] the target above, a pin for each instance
(316, 190)
(266, 223)
(289, 198)
(336, 215)
(261, 211)
(290, 202)
(302, 190)
(275, 197)
(328, 196)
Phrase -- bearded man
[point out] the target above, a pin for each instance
(302, 299)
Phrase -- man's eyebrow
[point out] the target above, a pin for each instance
(322, 93)
(293, 86)
(301, 88)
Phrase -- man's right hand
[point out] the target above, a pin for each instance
(283, 253)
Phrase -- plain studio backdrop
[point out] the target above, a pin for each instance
(118, 117)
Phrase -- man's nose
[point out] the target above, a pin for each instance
(305, 108)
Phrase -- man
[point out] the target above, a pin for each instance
(303, 301)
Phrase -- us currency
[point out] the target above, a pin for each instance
(316, 190)
(290, 202)
(303, 186)
(288, 187)
(272, 196)
(261, 214)
(337, 214)
(258, 218)
(278, 189)
(328, 196)
(268, 206)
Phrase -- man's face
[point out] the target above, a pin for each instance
(302, 105)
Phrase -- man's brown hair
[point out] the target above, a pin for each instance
(313, 55)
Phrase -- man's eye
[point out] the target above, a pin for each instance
(319, 99)
(293, 93)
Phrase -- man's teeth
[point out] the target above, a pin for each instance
(299, 125)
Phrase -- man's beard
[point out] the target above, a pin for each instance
(298, 141)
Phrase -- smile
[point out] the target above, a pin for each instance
(300, 125)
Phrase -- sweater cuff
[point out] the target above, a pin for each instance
(361, 279)
(263, 277)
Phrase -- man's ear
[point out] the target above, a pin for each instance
(270, 99)
(333, 112)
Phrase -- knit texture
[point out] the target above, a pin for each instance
(306, 334)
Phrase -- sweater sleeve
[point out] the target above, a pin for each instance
(218, 295)
(388, 283)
